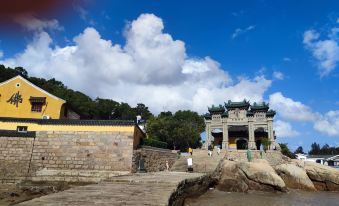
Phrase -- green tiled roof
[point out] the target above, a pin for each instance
(249, 113)
(207, 116)
(225, 114)
(241, 105)
(259, 106)
(216, 109)
(70, 121)
(270, 113)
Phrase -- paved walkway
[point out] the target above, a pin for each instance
(136, 189)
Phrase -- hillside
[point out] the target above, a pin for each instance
(84, 105)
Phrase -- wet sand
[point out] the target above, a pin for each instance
(255, 198)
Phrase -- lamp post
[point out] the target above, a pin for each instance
(138, 118)
(112, 113)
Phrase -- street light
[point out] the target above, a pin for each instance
(138, 118)
(112, 113)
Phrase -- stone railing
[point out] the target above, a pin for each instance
(272, 156)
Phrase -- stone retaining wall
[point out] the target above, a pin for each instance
(83, 150)
(154, 158)
(15, 154)
(100, 151)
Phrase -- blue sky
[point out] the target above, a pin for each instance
(197, 53)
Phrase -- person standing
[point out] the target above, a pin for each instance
(210, 150)
(167, 166)
(190, 150)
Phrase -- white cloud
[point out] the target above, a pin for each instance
(240, 31)
(32, 23)
(81, 11)
(310, 36)
(1, 54)
(151, 67)
(287, 59)
(326, 52)
(328, 123)
(290, 109)
(278, 75)
(284, 129)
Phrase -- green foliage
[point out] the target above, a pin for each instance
(315, 149)
(266, 143)
(79, 102)
(7, 73)
(299, 150)
(324, 150)
(180, 131)
(154, 143)
(286, 151)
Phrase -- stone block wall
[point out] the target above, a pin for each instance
(29, 157)
(154, 158)
(272, 156)
(15, 154)
(105, 151)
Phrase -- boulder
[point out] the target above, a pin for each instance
(231, 179)
(262, 175)
(324, 177)
(295, 177)
(244, 176)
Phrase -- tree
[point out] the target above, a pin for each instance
(266, 143)
(106, 108)
(21, 71)
(180, 131)
(299, 150)
(315, 149)
(286, 151)
(143, 111)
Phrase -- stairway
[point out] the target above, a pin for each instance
(202, 163)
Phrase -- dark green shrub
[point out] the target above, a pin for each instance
(154, 143)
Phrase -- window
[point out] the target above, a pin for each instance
(22, 129)
(37, 103)
(36, 106)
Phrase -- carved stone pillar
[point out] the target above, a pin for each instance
(225, 136)
(208, 135)
(270, 133)
(251, 142)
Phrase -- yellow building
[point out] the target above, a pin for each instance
(19, 98)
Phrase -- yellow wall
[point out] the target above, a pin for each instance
(71, 128)
(51, 108)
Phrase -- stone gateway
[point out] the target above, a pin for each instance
(240, 125)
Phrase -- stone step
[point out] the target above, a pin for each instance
(201, 161)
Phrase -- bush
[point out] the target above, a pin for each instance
(154, 143)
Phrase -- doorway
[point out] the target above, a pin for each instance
(242, 144)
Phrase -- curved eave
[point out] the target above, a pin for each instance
(270, 113)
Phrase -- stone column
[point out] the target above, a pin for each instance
(251, 143)
(225, 136)
(270, 132)
(208, 135)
